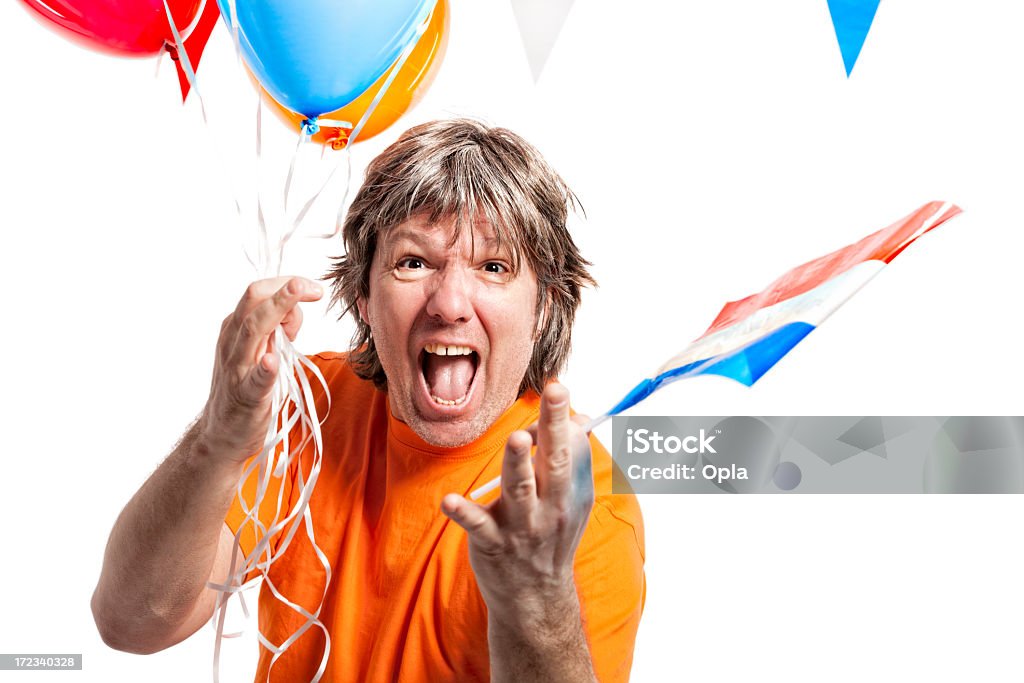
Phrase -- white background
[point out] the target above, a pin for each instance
(714, 145)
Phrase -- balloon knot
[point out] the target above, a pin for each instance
(339, 140)
(310, 126)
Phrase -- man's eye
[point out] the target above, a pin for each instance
(410, 262)
(496, 267)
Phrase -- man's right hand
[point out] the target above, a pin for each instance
(171, 539)
(234, 422)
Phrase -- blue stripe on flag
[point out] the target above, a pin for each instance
(746, 364)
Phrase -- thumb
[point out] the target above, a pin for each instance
(475, 519)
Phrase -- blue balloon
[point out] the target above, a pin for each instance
(316, 56)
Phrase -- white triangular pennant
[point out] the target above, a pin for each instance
(540, 22)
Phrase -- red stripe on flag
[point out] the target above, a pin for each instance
(883, 245)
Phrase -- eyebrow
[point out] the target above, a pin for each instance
(418, 237)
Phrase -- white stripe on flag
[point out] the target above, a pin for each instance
(811, 307)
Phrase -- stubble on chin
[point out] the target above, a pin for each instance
(451, 433)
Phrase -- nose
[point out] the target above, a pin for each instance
(451, 300)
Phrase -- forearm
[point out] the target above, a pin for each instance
(540, 642)
(152, 589)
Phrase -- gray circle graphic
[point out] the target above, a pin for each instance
(787, 476)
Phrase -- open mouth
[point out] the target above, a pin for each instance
(448, 372)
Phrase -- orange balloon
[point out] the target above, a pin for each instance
(405, 91)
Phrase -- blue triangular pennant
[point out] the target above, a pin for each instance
(852, 20)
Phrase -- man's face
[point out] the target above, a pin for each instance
(454, 328)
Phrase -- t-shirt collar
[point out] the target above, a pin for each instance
(519, 415)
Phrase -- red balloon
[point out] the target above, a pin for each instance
(122, 27)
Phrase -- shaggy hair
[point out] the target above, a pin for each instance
(467, 170)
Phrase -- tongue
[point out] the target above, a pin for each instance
(448, 377)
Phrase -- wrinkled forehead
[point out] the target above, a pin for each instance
(472, 234)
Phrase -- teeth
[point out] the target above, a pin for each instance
(447, 350)
(446, 402)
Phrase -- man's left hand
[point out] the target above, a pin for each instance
(522, 546)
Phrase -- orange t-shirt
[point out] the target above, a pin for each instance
(403, 604)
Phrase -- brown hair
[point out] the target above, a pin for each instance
(465, 169)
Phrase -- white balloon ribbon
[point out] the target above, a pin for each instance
(293, 406)
(179, 45)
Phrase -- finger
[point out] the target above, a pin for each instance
(518, 481)
(256, 293)
(532, 431)
(259, 381)
(256, 327)
(554, 447)
(582, 465)
(292, 322)
(475, 519)
(582, 472)
(581, 420)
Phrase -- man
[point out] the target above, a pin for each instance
(465, 282)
